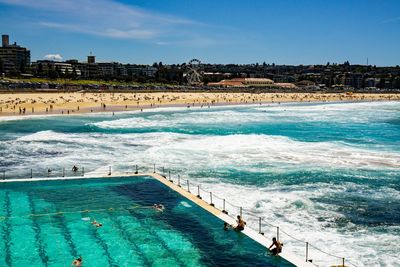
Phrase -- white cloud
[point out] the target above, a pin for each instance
(106, 18)
(54, 57)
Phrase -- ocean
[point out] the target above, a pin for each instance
(326, 173)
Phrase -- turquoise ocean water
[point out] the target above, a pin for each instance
(327, 173)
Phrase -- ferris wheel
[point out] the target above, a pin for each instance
(194, 72)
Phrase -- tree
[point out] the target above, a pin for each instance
(53, 74)
(22, 67)
(74, 74)
(39, 68)
(1, 66)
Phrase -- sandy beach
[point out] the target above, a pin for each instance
(81, 102)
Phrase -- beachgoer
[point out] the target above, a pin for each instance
(227, 226)
(74, 169)
(97, 224)
(159, 207)
(77, 262)
(278, 246)
(240, 224)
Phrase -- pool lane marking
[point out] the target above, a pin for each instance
(37, 229)
(75, 212)
(128, 237)
(65, 233)
(154, 233)
(100, 241)
(7, 230)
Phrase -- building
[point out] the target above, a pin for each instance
(112, 69)
(44, 66)
(13, 58)
(250, 82)
(89, 69)
(257, 81)
(149, 71)
(354, 80)
(372, 82)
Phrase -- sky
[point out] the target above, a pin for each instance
(290, 32)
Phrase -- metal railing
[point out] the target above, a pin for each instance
(310, 253)
(302, 248)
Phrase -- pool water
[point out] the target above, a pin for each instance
(48, 223)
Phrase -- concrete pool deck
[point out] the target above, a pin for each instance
(259, 238)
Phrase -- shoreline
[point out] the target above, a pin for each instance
(83, 103)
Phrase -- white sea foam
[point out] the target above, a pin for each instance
(293, 209)
(246, 152)
(333, 112)
(176, 119)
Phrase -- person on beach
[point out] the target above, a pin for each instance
(77, 262)
(240, 224)
(74, 168)
(278, 246)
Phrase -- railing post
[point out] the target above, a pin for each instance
(169, 176)
(306, 251)
(259, 226)
(31, 173)
(277, 233)
(188, 185)
(223, 207)
(343, 262)
(240, 211)
(179, 180)
(137, 169)
(63, 172)
(154, 168)
(83, 171)
(109, 170)
(198, 191)
(211, 202)
(163, 172)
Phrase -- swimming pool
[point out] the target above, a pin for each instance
(48, 223)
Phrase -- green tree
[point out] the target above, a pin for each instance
(1, 66)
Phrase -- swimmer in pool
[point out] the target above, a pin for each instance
(159, 207)
(77, 262)
(97, 224)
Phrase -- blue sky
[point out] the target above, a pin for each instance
(215, 31)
